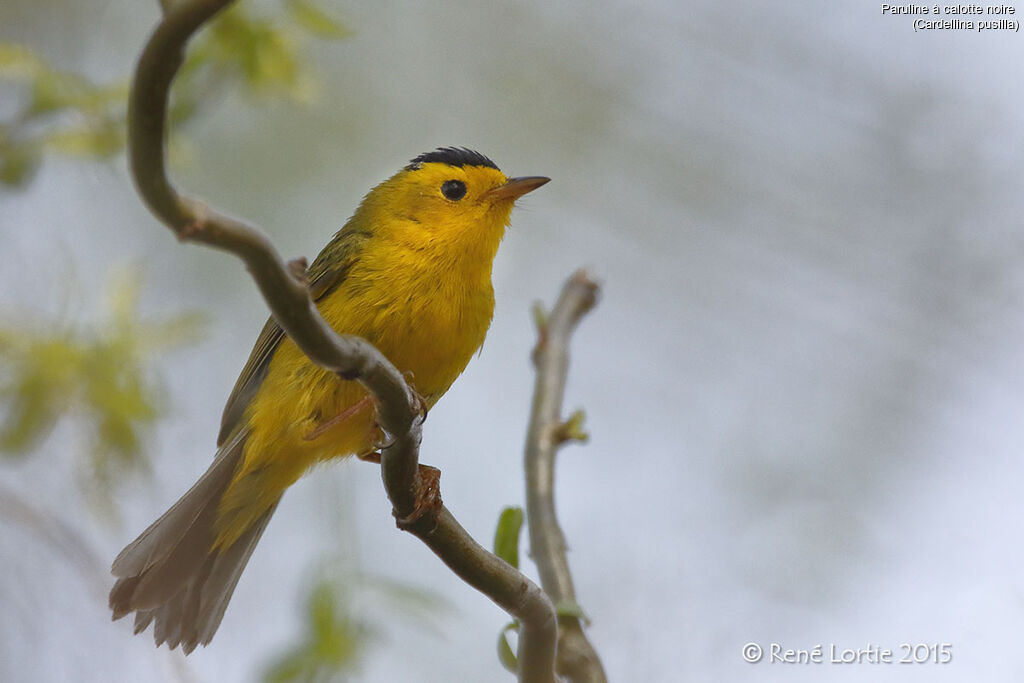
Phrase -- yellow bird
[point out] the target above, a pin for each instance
(411, 273)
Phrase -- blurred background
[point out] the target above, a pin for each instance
(804, 382)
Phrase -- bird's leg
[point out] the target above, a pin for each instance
(419, 401)
(379, 437)
(428, 489)
(319, 430)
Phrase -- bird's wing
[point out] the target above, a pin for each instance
(327, 272)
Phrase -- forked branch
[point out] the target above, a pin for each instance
(577, 659)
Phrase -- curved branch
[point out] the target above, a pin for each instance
(351, 358)
(577, 659)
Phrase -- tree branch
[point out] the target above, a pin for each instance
(351, 358)
(577, 660)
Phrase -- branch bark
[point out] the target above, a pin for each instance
(351, 358)
(576, 660)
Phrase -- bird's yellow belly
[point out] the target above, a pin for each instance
(303, 414)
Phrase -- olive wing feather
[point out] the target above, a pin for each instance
(326, 273)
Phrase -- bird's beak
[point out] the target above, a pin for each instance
(514, 188)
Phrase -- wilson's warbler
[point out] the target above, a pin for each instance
(411, 273)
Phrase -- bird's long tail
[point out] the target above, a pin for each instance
(172, 575)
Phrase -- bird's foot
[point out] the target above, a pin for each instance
(428, 494)
(428, 500)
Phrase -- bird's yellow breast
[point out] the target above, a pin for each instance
(428, 323)
(428, 327)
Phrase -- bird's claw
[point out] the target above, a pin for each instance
(428, 501)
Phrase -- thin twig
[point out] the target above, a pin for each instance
(351, 358)
(577, 660)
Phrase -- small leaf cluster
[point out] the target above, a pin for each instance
(339, 625)
(96, 379)
(331, 644)
(66, 113)
(61, 112)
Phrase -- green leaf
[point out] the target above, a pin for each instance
(39, 388)
(506, 536)
(292, 667)
(100, 141)
(506, 655)
(97, 377)
(572, 429)
(56, 90)
(316, 21)
(18, 162)
(330, 645)
(19, 63)
(321, 611)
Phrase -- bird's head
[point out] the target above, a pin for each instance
(452, 197)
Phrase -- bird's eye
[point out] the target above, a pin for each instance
(453, 189)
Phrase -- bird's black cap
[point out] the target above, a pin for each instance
(453, 156)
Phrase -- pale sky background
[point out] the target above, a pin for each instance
(804, 382)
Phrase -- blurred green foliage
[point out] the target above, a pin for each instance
(340, 615)
(98, 379)
(62, 112)
(66, 113)
(331, 642)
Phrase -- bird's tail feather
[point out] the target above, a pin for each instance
(171, 574)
